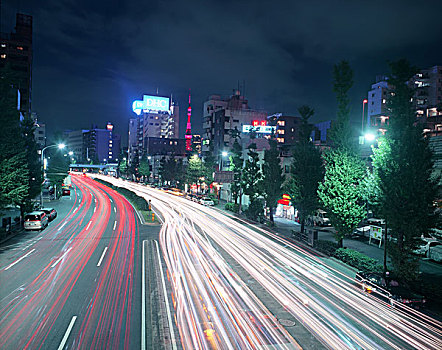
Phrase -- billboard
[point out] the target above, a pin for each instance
(263, 129)
(151, 103)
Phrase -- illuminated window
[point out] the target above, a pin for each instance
(281, 131)
(3, 45)
(20, 48)
(3, 56)
(384, 100)
(281, 122)
(280, 140)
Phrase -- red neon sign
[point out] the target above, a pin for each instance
(259, 123)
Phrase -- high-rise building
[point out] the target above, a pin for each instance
(427, 101)
(16, 51)
(223, 117)
(96, 145)
(156, 117)
(188, 135)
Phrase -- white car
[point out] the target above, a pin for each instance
(37, 220)
(206, 201)
(427, 247)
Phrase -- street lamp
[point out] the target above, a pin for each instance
(365, 101)
(59, 146)
(370, 137)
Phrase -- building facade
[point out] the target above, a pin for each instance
(157, 117)
(223, 116)
(16, 51)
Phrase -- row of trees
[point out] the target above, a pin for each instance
(20, 167)
(20, 173)
(401, 187)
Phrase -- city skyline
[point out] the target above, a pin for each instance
(94, 59)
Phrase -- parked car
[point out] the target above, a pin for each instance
(50, 212)
(388, 289)
(206, 201)
(319, 218)
(426, 246)
(37, 220)
(435, 253)
(65, 191)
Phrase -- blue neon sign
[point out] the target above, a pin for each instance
(151, 103)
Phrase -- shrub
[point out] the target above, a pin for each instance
(255, 211)
(214, 198)
(232, 207)
(139, 202)
(358, 260)
(326, 247)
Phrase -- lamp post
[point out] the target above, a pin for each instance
(59, 146)
(364, 101)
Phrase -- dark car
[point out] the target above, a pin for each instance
(50, 212)
(65, 191)
(388, 289)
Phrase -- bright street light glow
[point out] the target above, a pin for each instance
(369, 137)
(224, 154)
(61, 145)
(71, 153)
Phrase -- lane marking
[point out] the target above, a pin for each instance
(143, 301)
(111, 200)
(115, 209)
(102, 256)
(169, 317)
(95, 208)
(115, 225)
(62, 226)
(89, 224)
(17, 261)
(66, 335)
(61, 257)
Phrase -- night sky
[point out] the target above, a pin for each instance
(93, 58)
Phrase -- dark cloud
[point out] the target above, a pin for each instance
(92, 58)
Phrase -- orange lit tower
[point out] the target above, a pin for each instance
(188, 135)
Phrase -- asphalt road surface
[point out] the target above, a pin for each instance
(236, 286)
(77, 284)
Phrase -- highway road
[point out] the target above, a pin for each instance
(76, 284)
(236, 286)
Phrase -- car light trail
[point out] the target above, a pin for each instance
(215, 308)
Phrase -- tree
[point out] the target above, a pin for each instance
(194, 171)
(144, 170)
(252, 175)
(340, 133)
(14, 169)
(171, 170)
(273, 178)
(407, 185)
(33, 163)
(341, 192)
(307, 170)
(236, 166)
(57, 169)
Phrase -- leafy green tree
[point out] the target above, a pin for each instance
(57, 169)
(123, 167)
(407, 184)
(273, 178)
(14, 169)
(144, 170)
(236, 166)
(33, 162)
(252, 175)
(340, 133)
(171, 170)
(341, 192)
(194, 170)
(307, 170)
